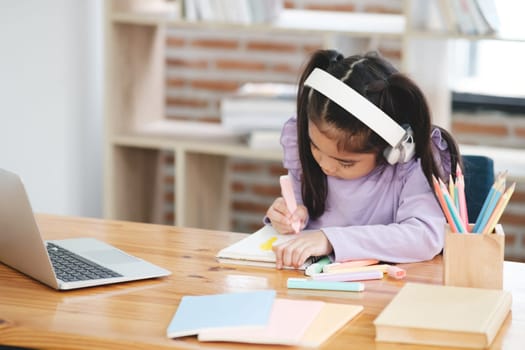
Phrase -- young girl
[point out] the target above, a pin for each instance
(361, 175)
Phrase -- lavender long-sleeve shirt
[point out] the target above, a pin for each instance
(390, 214)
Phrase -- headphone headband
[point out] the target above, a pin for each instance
(357, 105)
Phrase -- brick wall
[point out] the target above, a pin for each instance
(498, 129)
(490, 128)
(205, 65)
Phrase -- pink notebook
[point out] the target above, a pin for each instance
(289, 320)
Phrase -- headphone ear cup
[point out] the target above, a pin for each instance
(409, 150)
(403, 152)
(392, 155)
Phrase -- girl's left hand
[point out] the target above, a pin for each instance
(295, 252)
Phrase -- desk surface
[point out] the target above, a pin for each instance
(135, 315)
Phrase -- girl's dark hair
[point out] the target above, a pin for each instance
(394, 93)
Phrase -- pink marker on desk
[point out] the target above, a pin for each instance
(396, 272)
(289, 199)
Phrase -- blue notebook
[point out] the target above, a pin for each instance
(245, 309)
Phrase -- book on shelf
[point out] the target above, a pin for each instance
(489, 14)
(481, 25)
(443, 315)
(462, 16)
(448, 19)
(256, 249)
(265, 139)
(189, 130)
(475, 17)
(171, 9)
(233, 11)
(258, 106)
(274, 90)
(432, 15)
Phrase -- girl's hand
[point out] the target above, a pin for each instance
(295, 252)
(282, 219)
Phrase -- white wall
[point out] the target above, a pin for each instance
(51, 102)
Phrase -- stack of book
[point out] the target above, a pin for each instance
(259, 317)
(474, 17)
(232, 11)
(260, 110)
(471, 17)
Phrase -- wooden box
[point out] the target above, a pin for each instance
(474, 260)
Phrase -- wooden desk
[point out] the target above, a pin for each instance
(135, 315)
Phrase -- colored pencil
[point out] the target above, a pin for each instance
(498, 210)
(453, 210)
(460, 186)
(500, 177)
(493, 201)
(444, 207)
(451, 189)
(456, 198)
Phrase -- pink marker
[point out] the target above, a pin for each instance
(349, 264)
(396, 272)
(289, 199)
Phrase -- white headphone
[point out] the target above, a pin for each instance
(402, 146)
(405, 150)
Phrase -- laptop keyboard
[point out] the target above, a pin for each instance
(70, 267)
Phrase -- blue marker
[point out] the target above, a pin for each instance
(304, 283)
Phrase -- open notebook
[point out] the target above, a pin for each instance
(256, 249)
(61, 264)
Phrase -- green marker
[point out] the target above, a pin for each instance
(317, 267)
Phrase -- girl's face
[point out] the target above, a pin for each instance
(343, 165)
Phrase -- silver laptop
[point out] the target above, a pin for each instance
(61, 264)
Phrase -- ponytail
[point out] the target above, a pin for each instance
(314, 187)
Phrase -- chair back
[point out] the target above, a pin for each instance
(479, 178)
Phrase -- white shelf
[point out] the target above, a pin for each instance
(437, 35)
(300, 21)
(316, 22)
(219, 148)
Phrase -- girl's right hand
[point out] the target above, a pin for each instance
(282, 219)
